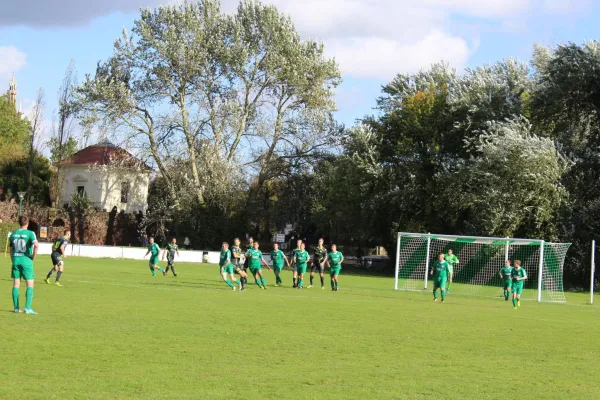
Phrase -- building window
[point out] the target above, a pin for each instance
(125, 192)
(81, 190)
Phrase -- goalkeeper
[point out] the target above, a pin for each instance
(451, 259)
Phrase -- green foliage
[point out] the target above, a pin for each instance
(118, 311)
(15, 174)
(61, 152)
(14, 133)
(5, 228)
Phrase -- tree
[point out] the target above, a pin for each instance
(37, 130)
(14, 133)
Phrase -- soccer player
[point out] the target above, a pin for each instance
(294, 267)
(334, 262)
(255, 258)
(518, 276)
(170, 251)
(440, 272)
(226, 267)
(58, 252)
(154, 251)
(451, 259)
(277, 258)
(250, 246)
(239, 263)
(300, 261)
(23, 249)
(506, 280)
(318, 263)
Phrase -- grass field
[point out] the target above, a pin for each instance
(116, 332)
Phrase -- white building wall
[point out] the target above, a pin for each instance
(103, 186)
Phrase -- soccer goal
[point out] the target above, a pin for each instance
(480, 260)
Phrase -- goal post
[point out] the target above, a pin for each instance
(480, 259)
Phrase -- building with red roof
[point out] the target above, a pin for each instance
(108, 175)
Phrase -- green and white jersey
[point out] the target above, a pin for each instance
(277, 258)
(154, 249)
(254, 258)
(21, 246)
(302, 257)
(506, 272)
(335, 259)
(441, 269)
(518, 273)
(225, 257)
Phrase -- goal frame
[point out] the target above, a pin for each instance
(508, 241)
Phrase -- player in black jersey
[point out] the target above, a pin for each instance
(170, 250)
(58, 252)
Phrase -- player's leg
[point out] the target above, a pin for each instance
(61, 268)
(262, 279)
(336, 279)
(514, 296)
(226, 279)
(313, 269)
(322, 276)
(295, 275)
(234, 279)
(256, 276)
(16, 275)
(28, 275)
(300, 283)
(442, 286)
(436, 285)
(518, 294)
(447, 286)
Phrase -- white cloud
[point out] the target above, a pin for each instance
(11, 60)
(383, 58)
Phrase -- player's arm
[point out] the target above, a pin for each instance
(10, 245)
(286, 261)
(266, 263)
(35, 248)
(524, 277)
(63, 247)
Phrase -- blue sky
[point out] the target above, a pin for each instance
(371, 39)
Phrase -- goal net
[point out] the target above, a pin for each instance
(480, 259)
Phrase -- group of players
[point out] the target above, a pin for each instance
(513, 278)
(236, 261)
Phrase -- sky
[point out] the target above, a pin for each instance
(372, 40)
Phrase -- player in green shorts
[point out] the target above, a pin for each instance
(23, 249)
(518, 276)
(334, 262)
(301, 258)
(451, 259)
(440, 273)
(255, 258)
(226, 267)
(154, 251)
(506, 281)
(277, 258)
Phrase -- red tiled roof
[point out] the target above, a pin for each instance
(103, 154)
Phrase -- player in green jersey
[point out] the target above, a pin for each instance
(506, 281)
(23, 249)
(294, 267)
(518, 276)
(300, 261)
(255, 258)
(334, 262)
(318, 263)
(249, 246)
(226, 267)
(154, 251)
(440, 272)
(277, 259)
(238, 261)
(170, 250)
(58, 252)
(451, 259)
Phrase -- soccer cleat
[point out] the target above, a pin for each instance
(58, 284)
(47, 280)
(265, 287)
(435, 299)
(175, 275)
(515, 308)
(519, 303)
(277, 285)
(233, 288)
(443, 301)
(310, 286)
(30, 311)
(17, 310)
(322, 287)
(164, 273)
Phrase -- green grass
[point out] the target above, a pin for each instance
(116, 332)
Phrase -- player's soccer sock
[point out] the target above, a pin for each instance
(449, 284)
(228, 282)
(337, 284)
(262, 280)
(514, 302)
(332, 284)
(300, 282)
(152, 270)
(15, 296)
(28, 297)
(257, 282)
(167, 269)
(311, 280)
(237, 282)
(442, 294)
(50, 273)
(161, 270)
(58, 275)
(322, 281)
(173, 270)
(435, 293)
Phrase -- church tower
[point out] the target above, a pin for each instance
(12, 91)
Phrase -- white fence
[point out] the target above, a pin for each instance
(132, 253)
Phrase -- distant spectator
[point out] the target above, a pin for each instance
(186, 243)
(144, 240)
